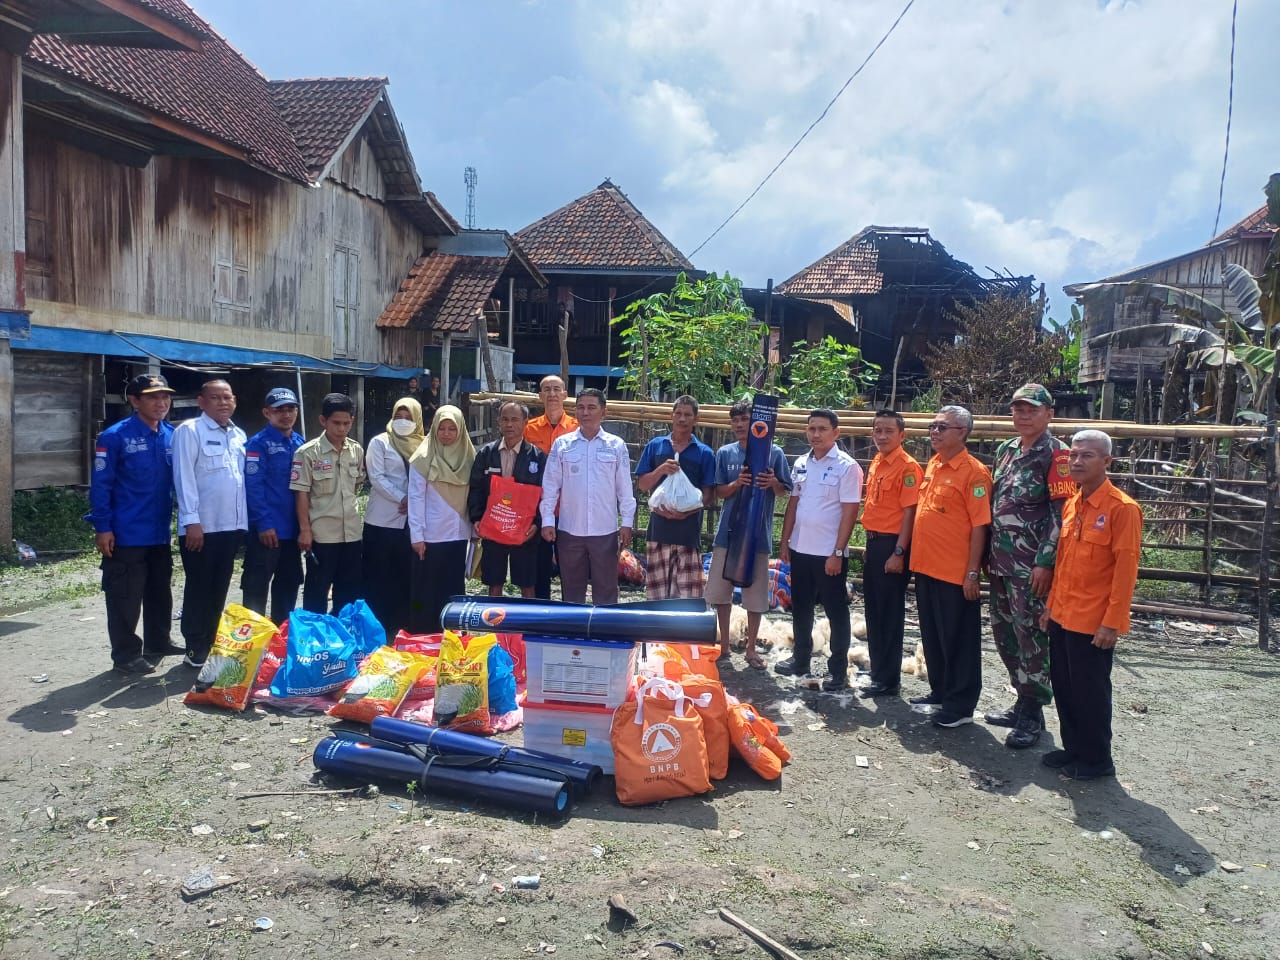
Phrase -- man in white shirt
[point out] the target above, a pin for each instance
(815, 541)
(208, 477)
(588, 478)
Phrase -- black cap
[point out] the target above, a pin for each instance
(146, 383)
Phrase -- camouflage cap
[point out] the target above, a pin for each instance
(1035, 393)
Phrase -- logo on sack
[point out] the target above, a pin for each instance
(661, 743)
(759, 429)
(492, 616)
(243, 632)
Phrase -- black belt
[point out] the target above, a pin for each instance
(873, 535)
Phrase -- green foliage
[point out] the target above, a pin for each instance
(828, 374)
(929, 401)
(701, 339)
(1068, 337)
(52, 518)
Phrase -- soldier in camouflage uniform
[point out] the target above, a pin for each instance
(1031, 482)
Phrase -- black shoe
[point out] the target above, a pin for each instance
(1079, 770)
(945, 718)
(834, 684)
(878, 690)
(193, 659)
(172, 650)
(928, 700)
(789, 668)
(138, 665)
(1005, 718)
(1057, 759)
(1026, 732)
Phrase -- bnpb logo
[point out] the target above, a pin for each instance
(493, 616)
(661, 743)
(759, 429)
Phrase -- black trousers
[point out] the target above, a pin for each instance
(1081, 676)
(336, 566)
(439, 575)
(388, 558)
(951, 631)
(546, 559)
(136, 581)
(885, 602)
(274, 570)
(208, 573)
(811, 584)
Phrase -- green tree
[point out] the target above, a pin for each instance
(701, 339)
(828, 374)
(999, 346)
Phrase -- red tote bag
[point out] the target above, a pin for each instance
(511, 508)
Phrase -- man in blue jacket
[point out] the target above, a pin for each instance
(131, 508)
(271, 557)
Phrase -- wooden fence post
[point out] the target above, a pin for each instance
(1268, 515)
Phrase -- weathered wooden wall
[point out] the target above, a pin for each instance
(1201, 273)
(146, 240)
(49, 427)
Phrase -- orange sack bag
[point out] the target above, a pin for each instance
(715, 720)
(699, 658)
(660, 660)
(748, 743)
(659, 749)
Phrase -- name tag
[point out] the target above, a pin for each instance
(322, 466)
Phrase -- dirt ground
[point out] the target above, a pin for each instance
(946, 845)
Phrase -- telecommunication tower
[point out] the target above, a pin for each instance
(469, 178)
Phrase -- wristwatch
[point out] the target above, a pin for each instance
(972, 575)
(897, 550)
(840, 553)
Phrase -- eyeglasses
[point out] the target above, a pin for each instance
(939, 427)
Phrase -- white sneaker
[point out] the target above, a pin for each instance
(190, 661)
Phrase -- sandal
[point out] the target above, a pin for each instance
(755, 661)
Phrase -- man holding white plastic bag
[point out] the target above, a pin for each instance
(678, 472)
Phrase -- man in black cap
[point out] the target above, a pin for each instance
(131, 508)
(272, 561)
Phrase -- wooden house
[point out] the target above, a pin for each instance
(179, 212)
(455, 312)
(598, 254)
(896, 287)
(1104, 367)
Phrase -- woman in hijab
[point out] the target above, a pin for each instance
(387, 554)
(439, 479)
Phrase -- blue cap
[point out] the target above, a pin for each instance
(281, 397)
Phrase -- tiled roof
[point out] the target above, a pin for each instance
(601, 230)
(848, 270)
(216, 91)
(1254, 225)
(322, 114)
(444, 292)
(178, 12)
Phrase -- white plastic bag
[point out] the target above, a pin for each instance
(676, 493)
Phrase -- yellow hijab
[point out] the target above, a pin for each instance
(409, 444)
(447, 468)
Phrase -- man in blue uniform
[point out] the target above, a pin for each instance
(272, 561)
(131, 509)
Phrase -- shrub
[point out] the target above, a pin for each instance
(52, 518)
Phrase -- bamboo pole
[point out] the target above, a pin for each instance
(793, 420)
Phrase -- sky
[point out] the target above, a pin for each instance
(1069, 139)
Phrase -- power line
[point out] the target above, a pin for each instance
(1231, 86)
(893, 26)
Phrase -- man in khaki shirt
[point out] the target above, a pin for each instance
(327, 474)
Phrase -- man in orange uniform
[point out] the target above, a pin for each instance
(1088, 607)
(950, 538)
(542, 432)
(893, 487)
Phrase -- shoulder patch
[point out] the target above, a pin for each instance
(909, 480)
(980, 491)
(1061, 486)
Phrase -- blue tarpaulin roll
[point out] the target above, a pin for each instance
(484, 779)
(683, 621)
(581, 776)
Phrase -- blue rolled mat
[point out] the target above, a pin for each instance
(492, 783)
(581, 776)
(683, 621)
